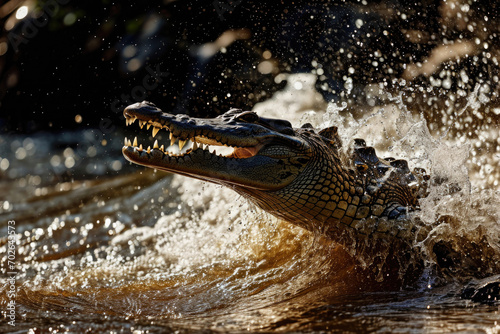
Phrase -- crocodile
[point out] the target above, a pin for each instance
(299, 175)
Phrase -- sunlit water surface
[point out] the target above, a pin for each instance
(103, 246)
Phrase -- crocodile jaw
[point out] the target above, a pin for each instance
(256, 159)
(252, 172)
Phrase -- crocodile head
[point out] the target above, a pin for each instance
(237, 149)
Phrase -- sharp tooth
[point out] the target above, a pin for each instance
(156, 144)
(162, 148)
(129, 143)
(148, 126)
(126, 141)
(140, 147)
(195, 146)
(141, 123)
(132, 120)
(182, 143)
(149, 149)
(135, 141)
(172, 139)
(155, 131)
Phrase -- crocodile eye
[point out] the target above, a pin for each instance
(247, 116)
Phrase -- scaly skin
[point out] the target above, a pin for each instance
(295, 174)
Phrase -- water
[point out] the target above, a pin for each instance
(104, 246)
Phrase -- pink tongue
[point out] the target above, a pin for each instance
(244, 152)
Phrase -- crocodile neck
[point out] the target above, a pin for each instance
(334, 200)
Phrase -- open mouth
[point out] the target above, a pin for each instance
(230, 149)
(178, 147)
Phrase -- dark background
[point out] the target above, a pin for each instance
(55, 69)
